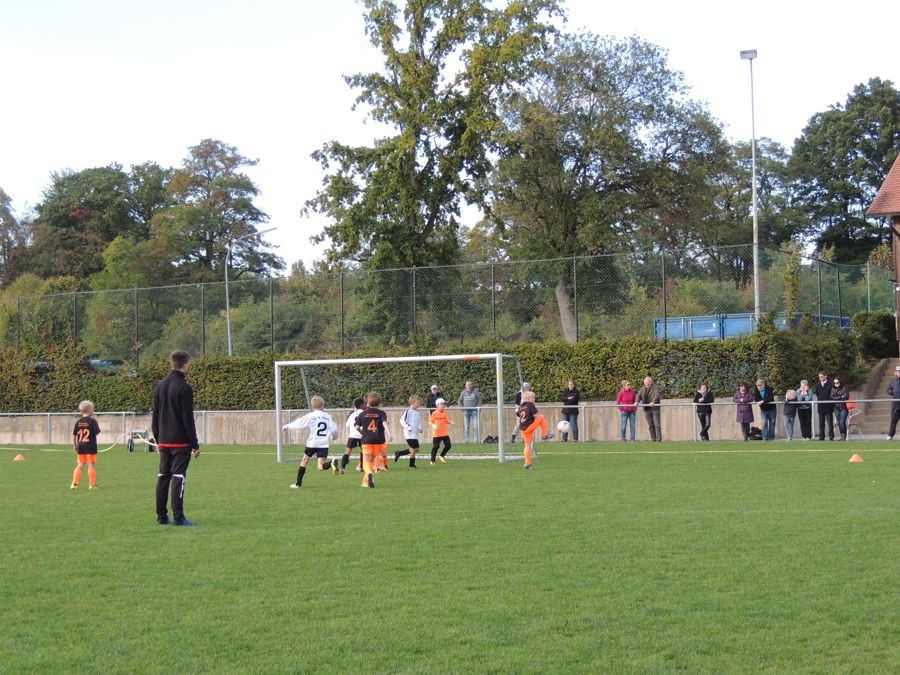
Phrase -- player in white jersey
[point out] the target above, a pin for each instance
(411, 423)
(322, 430)
(354, 435)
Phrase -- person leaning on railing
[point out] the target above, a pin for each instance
(840, 395)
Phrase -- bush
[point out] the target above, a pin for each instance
(876, 333)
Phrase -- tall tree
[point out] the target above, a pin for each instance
(13, 242)
(838, 164)
(213, 206)
(605, 153)
(396, 203)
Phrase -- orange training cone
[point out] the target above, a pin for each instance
(856, 459)
(19, 458)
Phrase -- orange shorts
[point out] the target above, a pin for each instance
(87, 459)
(374, 449)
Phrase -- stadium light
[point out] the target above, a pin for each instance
(749, 55)
(228, 246)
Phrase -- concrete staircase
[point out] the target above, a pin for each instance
(876, 417)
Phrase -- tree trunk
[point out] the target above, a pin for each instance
(566, 315)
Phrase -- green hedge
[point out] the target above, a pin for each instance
(598, 367)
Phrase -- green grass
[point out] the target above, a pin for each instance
(604, 558)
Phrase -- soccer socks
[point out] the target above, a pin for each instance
(76, 476)
(412, 462)
(400, 453)
(345, 460)
(92, 475)
(300, 472)
(528, 455)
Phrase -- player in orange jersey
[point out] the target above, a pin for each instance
(530, 420)
(440, 420)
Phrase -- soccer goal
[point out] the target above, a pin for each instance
(297, 381)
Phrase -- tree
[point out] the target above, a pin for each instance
(13, 242)
(213, 205)
(604, 153)
(396, 204)
(838, 164)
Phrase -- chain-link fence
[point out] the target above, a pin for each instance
(610, 296)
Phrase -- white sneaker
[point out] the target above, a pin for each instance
(889, 438)
(294, 486)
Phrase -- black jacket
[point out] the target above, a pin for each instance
(570, 398)
(823, 393)
(703, 402)
(173, 412)
(766, 400)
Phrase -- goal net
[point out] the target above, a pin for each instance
(340, 381)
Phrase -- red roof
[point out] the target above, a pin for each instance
(887, 201)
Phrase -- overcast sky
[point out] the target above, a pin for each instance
(92, 82)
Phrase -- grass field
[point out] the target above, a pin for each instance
(720, 557)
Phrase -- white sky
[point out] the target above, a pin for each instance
(90, 82)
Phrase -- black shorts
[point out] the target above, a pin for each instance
(413, 443)
(354, 442)
(316, 452)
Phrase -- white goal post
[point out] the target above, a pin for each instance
(497, 358)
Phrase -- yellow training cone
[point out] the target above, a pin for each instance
(19, 458)
(856, 459)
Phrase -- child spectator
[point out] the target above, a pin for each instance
(789, 413)
(84, 443)
(322, 430)
(411, 422)
(626, 399)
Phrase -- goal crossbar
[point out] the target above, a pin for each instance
(497, 358)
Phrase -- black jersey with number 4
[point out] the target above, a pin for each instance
(85, 433)
(371, 423)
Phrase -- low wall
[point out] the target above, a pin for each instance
(596, 421)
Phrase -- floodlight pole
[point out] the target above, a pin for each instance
(228, 246)
(749, 55)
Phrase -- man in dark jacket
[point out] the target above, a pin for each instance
(894, 392)
(175, 433)
(824, 411)
(765, 396)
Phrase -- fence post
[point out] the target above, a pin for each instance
(18, 324)
(665, 299)
(136, 330)
(493, 302)
(202, 319)
(74, 318)
(575, 292)
(868, 287)
(837, 269)
(414, 331)
(272, 310)
(342, 308)
(819, 285)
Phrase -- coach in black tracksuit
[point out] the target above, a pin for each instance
(174, 430)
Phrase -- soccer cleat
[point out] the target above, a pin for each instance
(432, 462)
(162, 521)
(547, 437)
(184, 522)
(335, 469)
(294, 486)
(443, 461)
(396, 456)
(73, 486)
(413, 466)
(92, 487)
(889, 438)
(371, 481)
(528, 466)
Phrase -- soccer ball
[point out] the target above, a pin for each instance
(563, 427)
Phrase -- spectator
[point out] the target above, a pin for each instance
(824, 411)
(894, 392)
(804, 410)
(431, 399)
(626, 399)
(789, 413)
(703, 400)
(570, 410)
(840, 394)
(765, 396)
(743, 397)
(470, 402)
(648, 397)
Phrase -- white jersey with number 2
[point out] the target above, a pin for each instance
(322, 429)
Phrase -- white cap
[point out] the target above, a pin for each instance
(434, 386)
(439, 401)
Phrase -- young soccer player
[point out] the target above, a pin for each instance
(322, 430)
(372, 423)
(530, 420)
(84, 443)
(353, 435)
(411, 421)
(440, 420)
